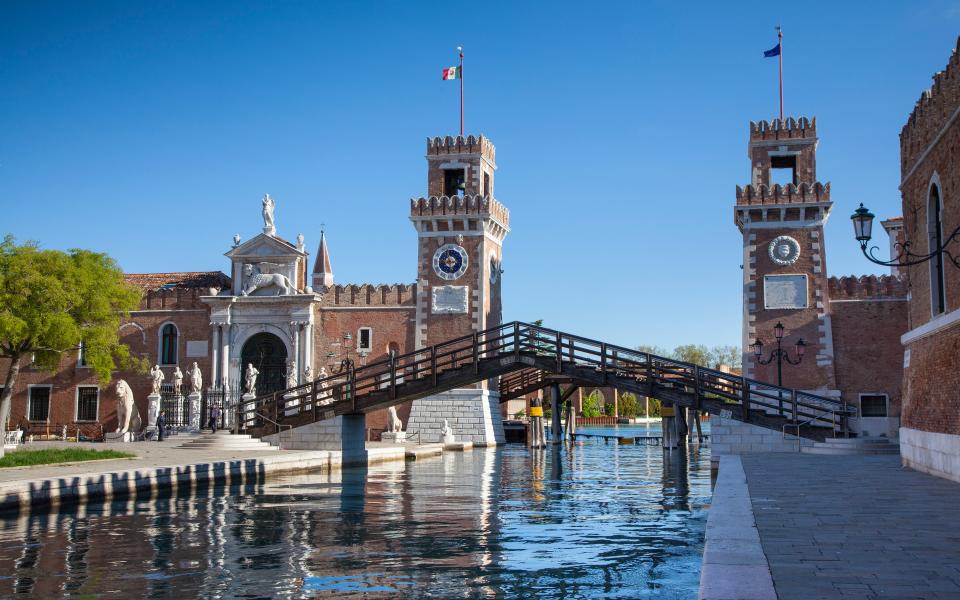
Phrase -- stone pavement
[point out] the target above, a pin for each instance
(855, 527)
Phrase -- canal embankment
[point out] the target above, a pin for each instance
(169, 467)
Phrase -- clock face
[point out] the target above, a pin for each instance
(450, 262)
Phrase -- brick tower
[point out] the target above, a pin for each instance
(781, 215)
(460, 231)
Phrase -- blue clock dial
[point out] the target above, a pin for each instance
(450, 261)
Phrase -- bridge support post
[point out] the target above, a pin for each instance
(353, 433)
(669, 426)
(555, 431)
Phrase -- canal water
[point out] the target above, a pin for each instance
(591, 519)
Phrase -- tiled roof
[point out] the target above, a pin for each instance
(195, 279)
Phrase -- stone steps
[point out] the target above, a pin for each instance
(854, 446)
(225, 441)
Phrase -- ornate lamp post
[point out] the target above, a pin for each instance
(780, 355)
(862, 230)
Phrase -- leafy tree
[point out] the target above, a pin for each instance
(697, 354)
(591, 404)
(50, 301)
(726, 355)
(608, 409)
(629, 405)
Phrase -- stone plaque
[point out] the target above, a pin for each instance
(196, 349)
(450, 300)
(785, 291)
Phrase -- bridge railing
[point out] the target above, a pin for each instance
(553, 350)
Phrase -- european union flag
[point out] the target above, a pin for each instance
(775, 51)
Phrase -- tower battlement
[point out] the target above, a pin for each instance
(460, 205)
(442, 146)
(365, 294)
(783, 129)
(931, 112)
(783, 194)
(865, 287)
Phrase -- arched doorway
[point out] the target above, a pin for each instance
(268, 354)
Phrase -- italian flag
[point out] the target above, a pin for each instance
(452, 73)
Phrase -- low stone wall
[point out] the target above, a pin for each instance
(734, 566)
(728, 436)
(474, 416)
(19, 495)
(932, 453)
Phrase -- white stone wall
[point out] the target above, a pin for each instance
(474, 416)
(728, 436)
(932, 453)
(324, 435)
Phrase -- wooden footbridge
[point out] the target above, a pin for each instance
(527, 358)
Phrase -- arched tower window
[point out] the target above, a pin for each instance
(168, 344)
(938, 299)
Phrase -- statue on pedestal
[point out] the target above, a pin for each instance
(177, 380)
(307, 375)
(395, 425)
(251, 378)
(156, 378)
(446, 433)
(196, 378)
(268, 207)
(292, 375)
(127, 414)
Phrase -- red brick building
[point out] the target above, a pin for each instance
(850, 325)
(270, 312)
(930, 188)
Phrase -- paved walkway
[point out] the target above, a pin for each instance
(855, 527)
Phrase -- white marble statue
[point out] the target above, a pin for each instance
(196, 378)
(292, 375)
(177, 380)
(299, 241)
(307, 374)
(128, 417)
(396, 425)
(268, 206)
(156, 377)
(251, 377)
(263, 275)
(446, 433)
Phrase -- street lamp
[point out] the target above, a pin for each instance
(862, 220)
(780, 355)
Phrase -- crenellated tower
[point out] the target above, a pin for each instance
(460, 231)
(781, 215)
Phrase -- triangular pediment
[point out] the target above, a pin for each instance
(265, 246)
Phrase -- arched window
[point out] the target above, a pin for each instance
(938, 299)
(168, 344)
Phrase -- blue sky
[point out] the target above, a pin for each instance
(151, 130)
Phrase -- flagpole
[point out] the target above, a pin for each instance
(460, 48)
(780, 42)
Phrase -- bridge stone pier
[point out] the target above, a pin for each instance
(474, 416)
(344, 434)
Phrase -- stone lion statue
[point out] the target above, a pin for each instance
(128, 417)
(396, 425)
(260, 276)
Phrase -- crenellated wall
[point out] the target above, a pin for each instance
(365, 294)
(935, 107)
(462, 145)
(175, 299)
(466, 205)
(789, 128)
(866, 287)
(783, 194)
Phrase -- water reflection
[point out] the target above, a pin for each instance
(583, 520)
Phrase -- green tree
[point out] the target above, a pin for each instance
(629, 405)
(726, 355)
(591, 404)
(50, 301)
(697, 354)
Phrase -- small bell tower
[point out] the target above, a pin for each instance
(781, 215)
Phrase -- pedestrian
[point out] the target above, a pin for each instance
(161, 423)
(214, 417)
(24, 428)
